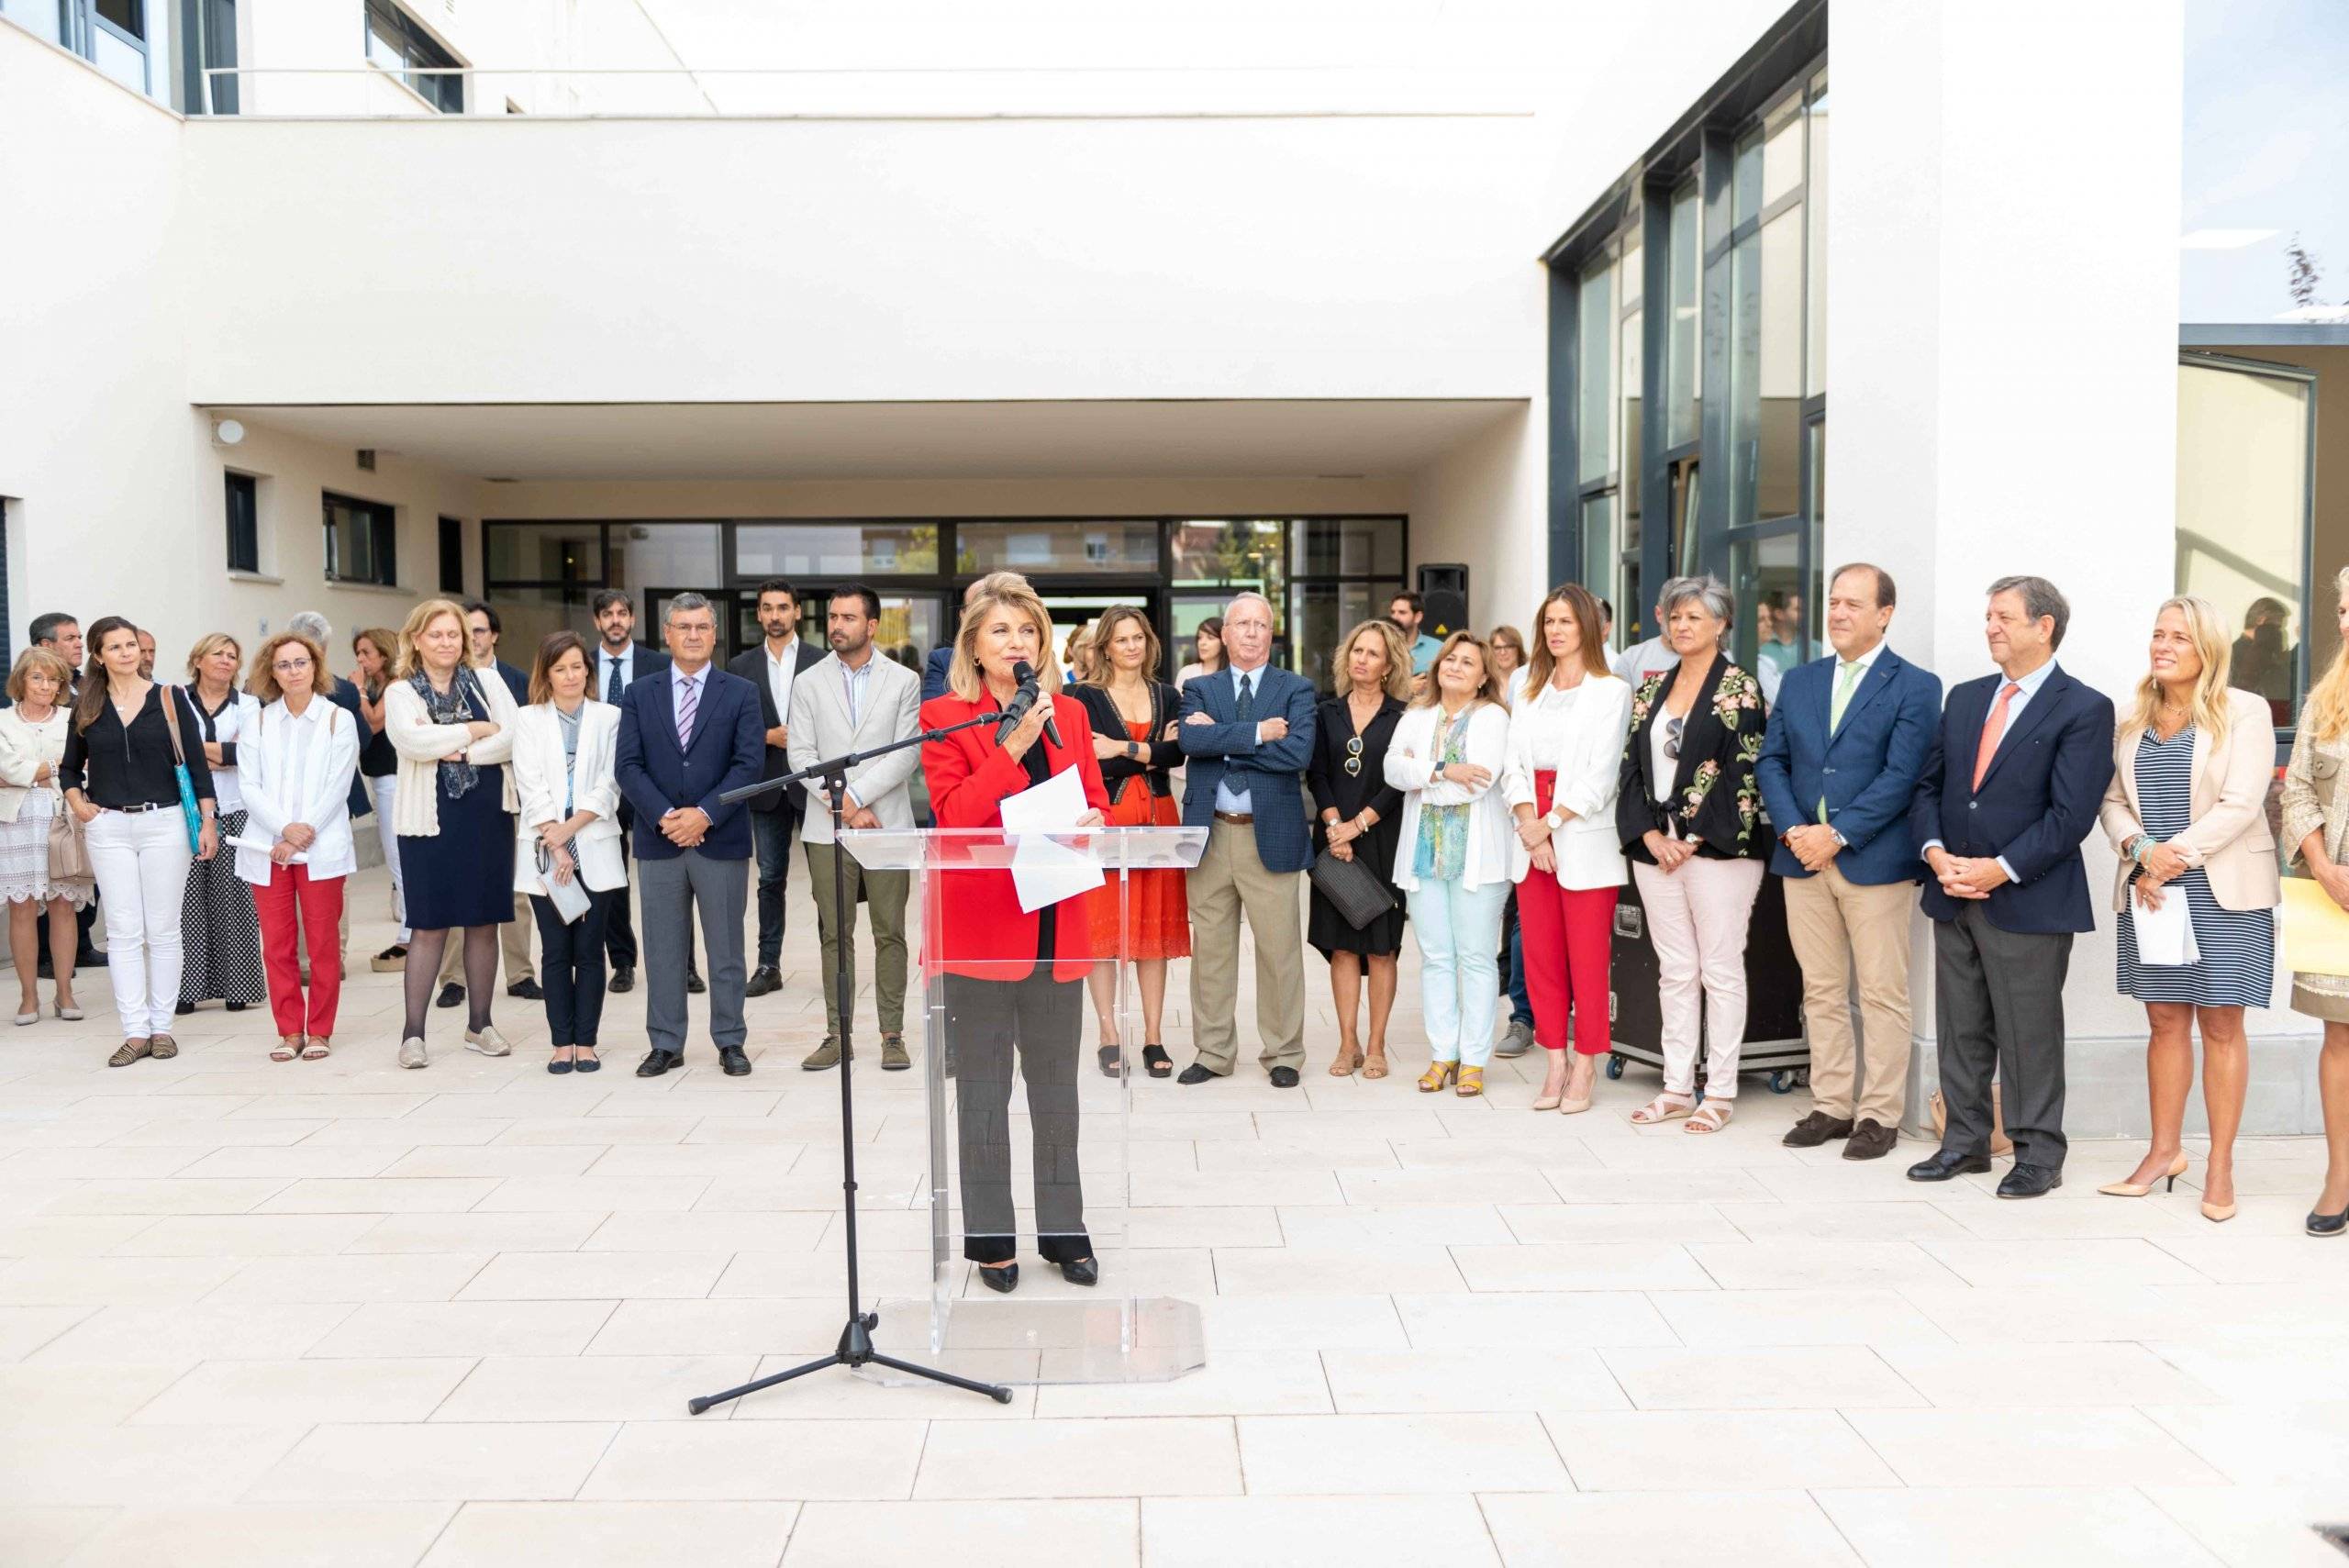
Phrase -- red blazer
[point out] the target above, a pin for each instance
(974, 925)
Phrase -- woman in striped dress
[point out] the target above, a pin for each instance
(2187, 813)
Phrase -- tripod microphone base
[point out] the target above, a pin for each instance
(854, 1349)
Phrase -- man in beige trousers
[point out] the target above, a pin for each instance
(1847, 740)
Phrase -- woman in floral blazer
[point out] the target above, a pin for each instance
(1689, 816)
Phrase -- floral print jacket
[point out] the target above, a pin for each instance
(1712, 799)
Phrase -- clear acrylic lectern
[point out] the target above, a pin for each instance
(1026, 1131)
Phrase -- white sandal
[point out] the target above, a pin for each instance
(1663, 1108)
(1712, 1116)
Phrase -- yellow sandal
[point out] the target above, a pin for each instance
(1438, 1074)
(1471, 1083)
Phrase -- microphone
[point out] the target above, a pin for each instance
(1026, 697)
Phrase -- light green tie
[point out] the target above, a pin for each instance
(1847, 677)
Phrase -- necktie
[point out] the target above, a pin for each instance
(1844, 682)
(688, 699)
(1245, 708)
(612, 682)
(1992, 728)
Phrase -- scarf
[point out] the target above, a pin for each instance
(458, 706)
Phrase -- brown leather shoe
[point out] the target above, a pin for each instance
(130, 1052)
(1871, 1140)
(1815, 1130)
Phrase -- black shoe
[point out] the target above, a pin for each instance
(1283, 1077)
(730, 1058)
(2030, 1181)
(657, 1061)
(1815, 1130)
(554, 1066)
(527, 990)
(586, 1063)
(1194, 1073)
(623, 980)
(1871, 1140)
(1946, 1164)
(451, 994)
(89, 958)
(763, 979)
(694, 986)
(241, 1007)
(1086, 1270)
(1005, 1279)
(182, 1009)
(2327, 1224)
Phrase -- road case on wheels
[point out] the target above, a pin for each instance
(1774, 1042)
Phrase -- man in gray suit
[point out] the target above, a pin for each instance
(853, 701)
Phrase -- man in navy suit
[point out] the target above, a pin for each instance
(1848, 739)
(933, 670)
(687, 736)
(2015, 781)
(1247, 732)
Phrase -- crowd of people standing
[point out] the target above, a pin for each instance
(1497, 797)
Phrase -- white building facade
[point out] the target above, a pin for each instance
(1150, 308)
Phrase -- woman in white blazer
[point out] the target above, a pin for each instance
(1452, 863)
(1565, 760)
(455, 732)
(296, 757)
(568, 832)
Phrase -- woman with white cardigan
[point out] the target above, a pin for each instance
(296, 757)
(568, 834)
(1566, 761)
(454, 802)
(32, 746)
(1454, 862)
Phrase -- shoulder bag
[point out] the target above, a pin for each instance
(189, 810)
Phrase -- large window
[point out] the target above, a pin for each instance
(361, 542)
(1690, 304)
(244, 522)
(207, 47)
(399, 43)
(452, 556)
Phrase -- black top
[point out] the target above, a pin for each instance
(519, 681)
(208, 723)
(1711, 799)
(1159, 758)
(377, 757)
(120, 770)
(1334, 789)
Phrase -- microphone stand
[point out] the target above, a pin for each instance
(855, 1347)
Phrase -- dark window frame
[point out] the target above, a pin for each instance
(418, 51)
(241, 497)
(452, 555)
(382, 539)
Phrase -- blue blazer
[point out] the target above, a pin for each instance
(934, 670)
(1273, 775)
(1866, 770)
(728, 751)
(2038, 799)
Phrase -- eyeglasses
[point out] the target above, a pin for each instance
(287, 666)
(1353, 758)
(1673, 728)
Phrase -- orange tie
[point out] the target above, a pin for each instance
(1992, 728)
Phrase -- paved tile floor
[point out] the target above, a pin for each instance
(262, 1314)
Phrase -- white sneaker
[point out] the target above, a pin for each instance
(412, 1053)
(487, 1041)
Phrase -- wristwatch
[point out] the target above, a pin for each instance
(1552, 820)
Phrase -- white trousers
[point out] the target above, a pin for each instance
(141, 859)
(385, 791)
(1697, 919)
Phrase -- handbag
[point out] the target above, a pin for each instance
(1353, 889)
(69, 852)
(570, 900)
(189, 810)
(2000, 1144)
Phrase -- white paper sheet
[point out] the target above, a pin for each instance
(1045, 873)
(2165, 936)
(254, 842)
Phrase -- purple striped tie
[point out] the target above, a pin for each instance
(688, 701)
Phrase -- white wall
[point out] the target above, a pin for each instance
(1482, 503)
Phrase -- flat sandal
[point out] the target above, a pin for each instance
(1346, 1064)
(287, 1048)
(317, 1048)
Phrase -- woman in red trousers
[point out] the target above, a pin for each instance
(1566, 756)
(296, 766)
(1011, 978)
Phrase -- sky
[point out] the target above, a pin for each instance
(2267, 156)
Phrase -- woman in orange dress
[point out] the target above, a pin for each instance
(1133, 738)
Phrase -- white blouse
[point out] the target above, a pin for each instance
(1411, 766)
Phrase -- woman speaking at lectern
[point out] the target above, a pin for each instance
(1011, 978)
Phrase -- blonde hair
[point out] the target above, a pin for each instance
(209, 644)
(1009, 591)
(2207, 633)
(404, 663)
(1101, 667)
(1398, 661)
(264, 685)
(2326, 714)
(1488, 690)
(33, 659)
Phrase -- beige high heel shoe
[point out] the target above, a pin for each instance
(2135, 1189)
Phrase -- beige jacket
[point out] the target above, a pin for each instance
(416, 799)
(2228, 836)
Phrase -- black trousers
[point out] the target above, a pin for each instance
(771, 840)
(1043, 1019)
(571, 965)
(1998, 1007)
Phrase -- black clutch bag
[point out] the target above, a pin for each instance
(1353, 889)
